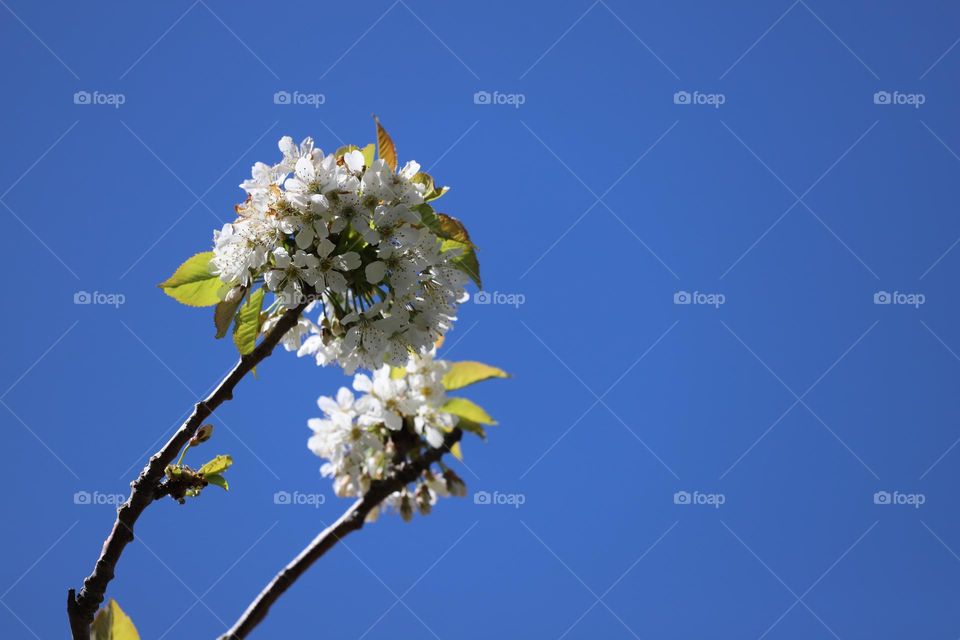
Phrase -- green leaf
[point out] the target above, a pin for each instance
(218, 480)
(368, 154)
(193, 284)
(431, 192)
(215, 466)
(345, 149)
(472, 427)
(397, 372)
(466, 260)
(467, 409)
(468, 372)
(225, 311)
(452, 229)
(457, 451)
(111, 623)
(445, 227)
(385, 148)
(247, 327)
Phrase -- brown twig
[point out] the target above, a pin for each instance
(144, 490)
(351, 520)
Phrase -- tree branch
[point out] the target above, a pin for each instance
(81, 608)
(351, 520)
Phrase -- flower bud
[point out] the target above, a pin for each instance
(424, 500)
(455, 485)
(406, 508)
(235, 294)
(202, 435)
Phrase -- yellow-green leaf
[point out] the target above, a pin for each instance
(345, 149)
(465, 260)
(456, 451)
(468, 410)
(215, 466)
(472, 427)
(111, 623)
(397, 372)
(449, 228)
(461, 374)
(369, 152)
(193, 283)
(431, 192)
(385, 148)
(247, 327)
(225, 310)
(218, 480)
(436, 193)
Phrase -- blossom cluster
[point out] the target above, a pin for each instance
(348, 234)
(396, 416)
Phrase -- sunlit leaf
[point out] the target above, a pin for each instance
(385, 148)
(468, 410)
(345, 149)
(217, 465)
(193, 283)
(369, 153)
(218, 480)
(456, 451)
(225, 311)
(111, 623)
(461, 374)
(247, 327)
(472, 427)
(465, 260)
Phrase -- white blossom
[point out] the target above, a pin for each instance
(331, 229)
(357, 434)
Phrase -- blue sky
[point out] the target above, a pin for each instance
(704, 470)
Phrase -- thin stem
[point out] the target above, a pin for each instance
(351, 520)
(144, 490)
